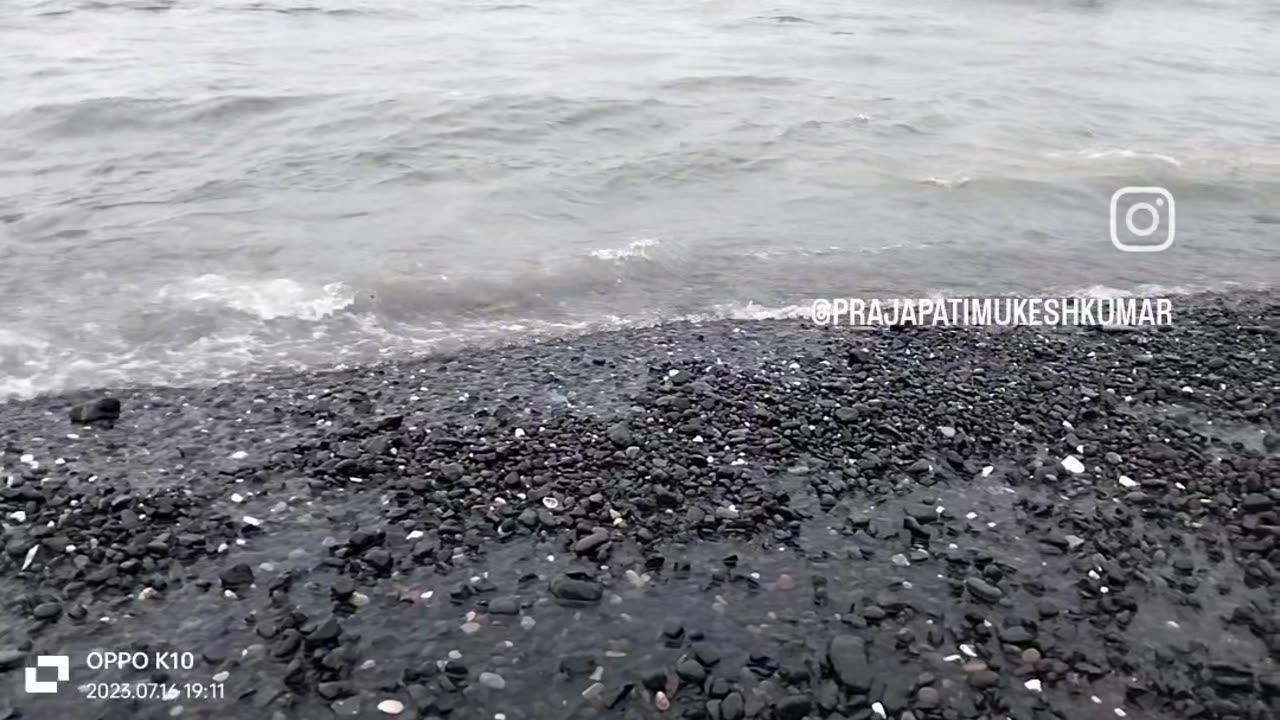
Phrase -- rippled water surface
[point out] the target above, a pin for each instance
(191, 189)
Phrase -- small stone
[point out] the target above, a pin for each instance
(733, 707)
(590, 543)
(46, 611)
(691, 671)
(927, 698)
(237, 576)
(661, 701)
(576, 588)
(11, 658)
(794, 707)
(593, 691)
(1033, 685)
(348, 707)
(1254, 503)
(947, 432)
(1072, 464)
(786, 582)
(984, 679)
(492, 680)
(505, 605)
(848, 657)
(900, 560)
(620, 434)
(103, 410)
(982, 589)
(359, 599)
(31, 555)
(1073, 541)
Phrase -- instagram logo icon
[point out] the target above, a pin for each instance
(1143, 219)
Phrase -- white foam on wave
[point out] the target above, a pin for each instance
(948, 183)
(750, 311)
(1115, 154)
(809, 252)
(266, 298)
(1145, 290)
(634, 249)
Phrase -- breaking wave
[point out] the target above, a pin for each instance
(266, 299)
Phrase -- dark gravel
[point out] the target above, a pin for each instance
(724, 520)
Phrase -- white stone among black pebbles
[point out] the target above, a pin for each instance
(391, 707)
(1072, 464)
(492, 680)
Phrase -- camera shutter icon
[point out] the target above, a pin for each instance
(36, 686)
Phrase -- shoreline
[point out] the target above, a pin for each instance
(754, 518)
(1194, 302)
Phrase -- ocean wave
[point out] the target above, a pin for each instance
(1115, 154)
(949, 183)
(1146, 290)
(711, 82)
(634, 249)
(94, 116)
(266, 299)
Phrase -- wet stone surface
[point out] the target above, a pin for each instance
(727, 520)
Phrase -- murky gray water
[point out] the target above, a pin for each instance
(190, 189)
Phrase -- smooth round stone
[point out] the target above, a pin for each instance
(391, 707)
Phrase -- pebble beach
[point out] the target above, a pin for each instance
(719, 520)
